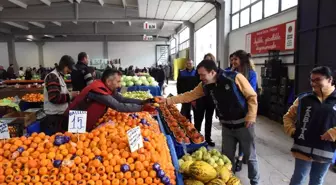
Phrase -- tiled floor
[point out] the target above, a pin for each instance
(273, 147)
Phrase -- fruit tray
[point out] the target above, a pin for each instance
(179, 176)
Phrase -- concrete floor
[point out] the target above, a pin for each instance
(276, 163)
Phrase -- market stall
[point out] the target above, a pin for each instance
(140, 83)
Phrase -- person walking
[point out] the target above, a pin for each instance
(205, 108)
(186, 81)
(311, 122)
(241, 62)
(56, 96)
(3, 73)
(81, 77)
(236, 105)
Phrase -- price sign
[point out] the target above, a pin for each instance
(4, 132)
(135, 139)
(77, 121)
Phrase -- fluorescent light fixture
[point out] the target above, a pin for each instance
(50, 36)
(30, 36)
(29, 40)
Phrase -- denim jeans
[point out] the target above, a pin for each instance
(316, 171)
(246, 138)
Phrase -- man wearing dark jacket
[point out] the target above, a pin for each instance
(102, 94)
(187, 80)
(81, 77)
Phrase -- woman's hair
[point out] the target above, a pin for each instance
(324, 71)
(213, 58)
(245, 62)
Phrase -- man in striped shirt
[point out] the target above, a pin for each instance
(81, 77)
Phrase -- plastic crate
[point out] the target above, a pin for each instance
(27, 105)
(179, 176)
(189, 148)
(34, 127)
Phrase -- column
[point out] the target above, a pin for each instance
(40, 52)
(105, 48)
(11, 53)
(191, 27)
(223, 29)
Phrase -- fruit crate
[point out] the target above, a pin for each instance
(15, 126)
(179, 176)
(28, 105)
(159, 120)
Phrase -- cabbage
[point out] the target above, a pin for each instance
(129, 83)
(142, 78)
(123, 84)
(154, 84)
(135, 78)
(138, 82)
(128, 78)
(150, 79)
(145, 83)
(122, 78)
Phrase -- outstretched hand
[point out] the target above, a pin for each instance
(327, 137)
(148, 107)
(160, 99)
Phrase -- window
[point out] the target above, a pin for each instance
(184, 35)
(235, 21)
(245, 17)
(235, 5)
(245, 12)
(184, 45)
(256, 12)
(271, 7)
(285, 4)
(173, 46)
(205, 41)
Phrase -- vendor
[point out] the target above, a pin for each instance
(56, 96)
(102, 94)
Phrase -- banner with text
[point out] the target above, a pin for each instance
(280, 37)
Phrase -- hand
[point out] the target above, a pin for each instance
(248, 124)
(74, 93)
(148, 107)
(327, 137)
(193, 104)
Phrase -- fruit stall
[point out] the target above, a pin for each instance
(140, 83)
(106, 155)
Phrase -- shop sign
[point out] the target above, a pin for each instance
(149, 26)
(135, 139)
(4, 132)
(77, 121)
(145, 37)
(280, 37)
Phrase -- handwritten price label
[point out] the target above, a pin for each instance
(77, 121)
(135, 139)
(4, 132)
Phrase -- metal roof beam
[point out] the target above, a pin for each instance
(17, 25)
(70, 1)
(101, 2)
(37, 24)
(47, 2)
(19, 3)
(124, 3)
(57, 23)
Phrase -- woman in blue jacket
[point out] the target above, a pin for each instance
(241, 62)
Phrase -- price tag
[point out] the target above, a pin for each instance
(4, 132)
(135, 139)
(77, 121)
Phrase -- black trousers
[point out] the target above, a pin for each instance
(204, 107)
(186, 110)
(52, 124)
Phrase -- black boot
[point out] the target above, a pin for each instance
(239, 165)
(210, 143)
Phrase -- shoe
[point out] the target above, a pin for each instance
(211, 143)
(239, 165)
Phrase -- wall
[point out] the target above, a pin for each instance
(4, 61)
(138, 54)
(53, 51)
(237, 37)
(26, 54)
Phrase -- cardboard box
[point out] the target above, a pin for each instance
(25, 117)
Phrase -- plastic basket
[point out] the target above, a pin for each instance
(179, 176)
(34, 127)
(190, 148)
(27, 105)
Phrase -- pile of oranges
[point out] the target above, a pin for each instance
(33, 97)
(101, 157)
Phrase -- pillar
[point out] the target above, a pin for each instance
(40, 52)
(191, 27)
(223, 18)
(11, 53)
(105, 48)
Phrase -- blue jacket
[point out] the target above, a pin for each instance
(252, 78)
(187, 80)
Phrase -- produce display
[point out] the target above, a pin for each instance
(182, 128)
(100, 157)
(128, 81)
(33, 97)
(141, 95)
(207, 167)
(7, 99)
